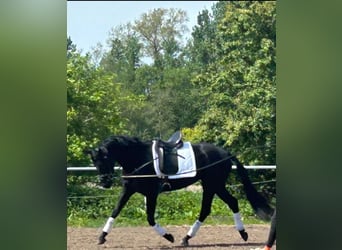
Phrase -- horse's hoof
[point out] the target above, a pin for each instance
(185, 241)
(244, 234)
(169, 237)
(101, 241)
(102, 238)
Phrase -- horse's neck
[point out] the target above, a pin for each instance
(133, 158)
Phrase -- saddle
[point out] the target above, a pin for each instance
(167, 153)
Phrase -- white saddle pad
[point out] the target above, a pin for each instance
(186, 162)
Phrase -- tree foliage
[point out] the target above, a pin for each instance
(160, 31)
(240, 85)
(93, 106)
(124, 55)
(163, 87)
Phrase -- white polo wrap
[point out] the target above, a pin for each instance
(161, 231)
(109, 225)
(238, 223)
(194, 228)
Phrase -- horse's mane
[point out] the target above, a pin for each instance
(122, 140)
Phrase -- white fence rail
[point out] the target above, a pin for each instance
(116, 168)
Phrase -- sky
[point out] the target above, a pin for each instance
(89, 22)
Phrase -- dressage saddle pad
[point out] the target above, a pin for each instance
(185, 159)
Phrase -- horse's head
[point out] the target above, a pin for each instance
(118, 149)
(104, 165)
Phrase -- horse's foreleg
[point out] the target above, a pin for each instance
(207, 200)
(151, 202)
(125, 195)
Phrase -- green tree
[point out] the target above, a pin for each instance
(93, 101)
(173, 103)
(71, 47)
(240, 85)
(161, 32)
(124, 56)
(158, 34)
(201, 47)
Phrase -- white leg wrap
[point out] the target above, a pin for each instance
(109, 225)
(161, 231)
(238, 223)
(194, 228)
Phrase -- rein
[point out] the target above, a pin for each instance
(131, 175)
(141, 167)
(147, 176)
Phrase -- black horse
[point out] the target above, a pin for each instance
(213, 167)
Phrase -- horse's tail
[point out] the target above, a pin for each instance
(257, 201)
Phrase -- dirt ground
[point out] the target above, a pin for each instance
(208, 237)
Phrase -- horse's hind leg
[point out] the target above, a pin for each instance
(233, 204)
(207, 200)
